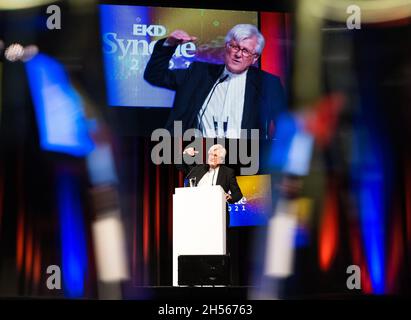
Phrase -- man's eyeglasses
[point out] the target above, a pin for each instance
(245, 52)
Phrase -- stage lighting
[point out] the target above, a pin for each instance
(23, 4)
(29, 52)
(14, 52)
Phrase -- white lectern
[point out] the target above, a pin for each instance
(199, 223)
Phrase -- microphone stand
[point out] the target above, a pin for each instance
(221, 80)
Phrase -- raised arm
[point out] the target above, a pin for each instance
(185, 167)
(157, 72)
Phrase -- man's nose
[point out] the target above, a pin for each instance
(238, 54)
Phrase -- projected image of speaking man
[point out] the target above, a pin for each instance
(220, 99)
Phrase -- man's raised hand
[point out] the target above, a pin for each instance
(190, 151)
(179, 37)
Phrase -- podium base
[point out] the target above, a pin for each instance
(204, 270)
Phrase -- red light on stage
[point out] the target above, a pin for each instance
(408, 202)
(272, 27)
(20, 239)
(29, 253)
(396, 253)
(358, 256)
(322, 121)
(37, 266)
(329, 229)
(1, 196)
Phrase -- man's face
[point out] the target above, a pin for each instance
(213, 159)
(239, 56)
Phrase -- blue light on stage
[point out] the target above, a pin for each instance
(279, 150)
(73, 240)
(369, 179)
(59, 110)
(292, 149)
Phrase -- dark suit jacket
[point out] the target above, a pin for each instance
(263, 100)
(226, 178)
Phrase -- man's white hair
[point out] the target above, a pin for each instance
(241, 32)
(221, 151)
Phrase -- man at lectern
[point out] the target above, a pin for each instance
(214, 172)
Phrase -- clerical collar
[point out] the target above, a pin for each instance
(233, 75)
